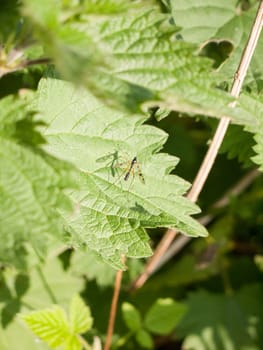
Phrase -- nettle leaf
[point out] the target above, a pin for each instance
(31, 185)
(219, 321)
(200, 20)
(238, 144)
(86, 263)
(225, 21)
(255, 104)
(105, 7)
(145, 50)
(134, 60)
(73, 51)
(110, 213)
(239, 140)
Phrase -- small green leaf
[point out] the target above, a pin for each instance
(144, 339)
(72, 343)
(80, 316)
(51, 325)
(164, 315)
(258, 259)
(131, 316)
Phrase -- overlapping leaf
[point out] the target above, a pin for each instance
(145, 50)
(31, 186)
(200, 20)
(254, 103)
(215, 321)
(130, 60)
(110, 212)
(213, 20)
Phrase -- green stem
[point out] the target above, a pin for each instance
(83, 342)
(124, 339)
(45, 284)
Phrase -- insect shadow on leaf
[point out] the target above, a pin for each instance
(110, 161)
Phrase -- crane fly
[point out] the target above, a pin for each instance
(128, 167)
(134, 166)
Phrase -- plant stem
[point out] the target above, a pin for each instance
(83, 342)
(114, 305)
(211, 154)
(182, 240)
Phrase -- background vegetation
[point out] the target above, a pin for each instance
(86, 86)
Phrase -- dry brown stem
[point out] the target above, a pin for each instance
(212, 152)
(113, 310)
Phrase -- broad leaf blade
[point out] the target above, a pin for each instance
(225, 20)
(192, 15)
(110, 212)
(218, 321)
(146, 50)
(31, 184)
(26, 206)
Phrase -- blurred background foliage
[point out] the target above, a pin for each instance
(218, 280)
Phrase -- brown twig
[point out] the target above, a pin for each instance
(182, 240)
(22, 65)
(113, 310)
(211, 154)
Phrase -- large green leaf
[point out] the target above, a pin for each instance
(110, 212)
(224, 21)
(130, 60)
(85, 263)
(31, 186)
(144, 49)
(216, 321)
(200, 19)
